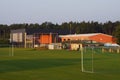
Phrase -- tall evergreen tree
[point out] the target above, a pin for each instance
(117, 34)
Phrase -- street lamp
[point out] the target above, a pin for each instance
(70, 35)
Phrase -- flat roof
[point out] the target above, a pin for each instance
(80, 35)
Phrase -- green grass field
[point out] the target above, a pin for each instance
(30, 64)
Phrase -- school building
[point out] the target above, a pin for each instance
(35, 37)
(43, 37)
(95, 37)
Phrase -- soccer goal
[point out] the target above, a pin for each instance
(94, 60)
(11, 50)
(6, 47)
(87, 59)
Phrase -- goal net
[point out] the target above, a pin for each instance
(87, 55)
(95, 60)
(6, 47)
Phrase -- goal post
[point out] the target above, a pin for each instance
(11, 49)
(87, 60)
(6, 46)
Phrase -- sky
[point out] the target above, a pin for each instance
(58, 11)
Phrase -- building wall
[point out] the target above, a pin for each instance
(21, 37)
(75, 38)
(103, 38)
(45, 39)
(76, 46)
(18, 37)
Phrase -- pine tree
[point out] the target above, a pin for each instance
(117, 34)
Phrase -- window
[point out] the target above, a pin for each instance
(68, 39)
(64, 40)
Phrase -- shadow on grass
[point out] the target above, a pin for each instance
(33, 64)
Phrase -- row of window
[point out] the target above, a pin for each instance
(87, 41)
(71, 39)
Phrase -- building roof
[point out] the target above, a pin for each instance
(18, 30)
(80, 35)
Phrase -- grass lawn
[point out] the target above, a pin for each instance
(29, 64)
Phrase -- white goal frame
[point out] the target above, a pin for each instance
(11, 49)
(82, 61)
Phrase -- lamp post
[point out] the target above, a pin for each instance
(70, 28)
(70, 35)
(34, 40)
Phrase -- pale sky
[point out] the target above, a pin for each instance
(58, 11)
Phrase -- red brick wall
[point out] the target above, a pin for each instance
(46, 39)
(103, 38)
(75, 38)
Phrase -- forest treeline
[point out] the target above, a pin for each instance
(111, 28)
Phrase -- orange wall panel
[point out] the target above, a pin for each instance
(75, 38)
(46, 39)
(102, 38)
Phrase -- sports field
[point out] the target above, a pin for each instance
(30, 64)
